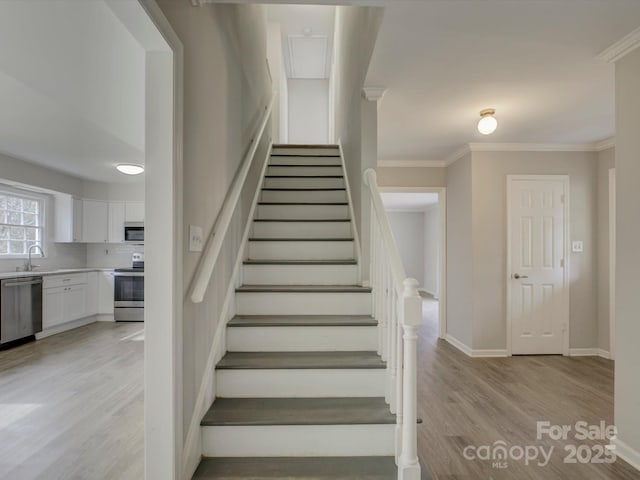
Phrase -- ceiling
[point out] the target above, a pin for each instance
(408, 201)
(307, 39)
(532, 60)
(71, 87)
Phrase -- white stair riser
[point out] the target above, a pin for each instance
(311, 170)
(310, 196)
(302, 229)
(305, 152)
(301, 250)
(298, 441)
(305, 160)
(303, 211)
(301, 339)
(300, 383)
(303, 182)
(295, 303)
(300, 274)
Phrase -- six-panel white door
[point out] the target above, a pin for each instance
(539, 308)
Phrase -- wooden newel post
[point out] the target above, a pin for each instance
(408, 465)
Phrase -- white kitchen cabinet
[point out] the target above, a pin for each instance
(95, 221)
(105, 293)
(92, 293)
(134, 211)
(68, 218)
(74, 302)
(66, 298)
(116, 222)
(52, 308)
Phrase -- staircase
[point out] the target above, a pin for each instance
(301, 389)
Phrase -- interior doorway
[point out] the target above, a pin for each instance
(418, 222)
(537, 264)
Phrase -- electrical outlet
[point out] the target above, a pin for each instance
(577, 246)
(195, 238)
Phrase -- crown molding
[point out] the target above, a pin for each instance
(457, 155)
(374, 94)
(622, 47)
(533, 147)
(605, 144)
(411, 163)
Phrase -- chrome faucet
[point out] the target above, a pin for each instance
(30, 266)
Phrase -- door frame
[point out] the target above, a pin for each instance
(566, 333)
(442, 206)
(612, 263)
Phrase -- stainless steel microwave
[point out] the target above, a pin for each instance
(134, 232)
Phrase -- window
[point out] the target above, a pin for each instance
(21, 223)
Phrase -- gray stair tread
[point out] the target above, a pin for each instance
(299, 468)
(304, 176)
(294, 220)
(307, 154)
(300, 262)
(302, 189)
(305, 288)
(302, 321)
(306, 165)
(298, 411)
(303, 203)
(305, 145)
(300, 239)
(300, 360)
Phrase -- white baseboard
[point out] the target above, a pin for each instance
(478, 353)
(105, 317)
(626, 453)
(65, 326)
(589, 352)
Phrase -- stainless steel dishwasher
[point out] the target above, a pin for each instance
(20, 308)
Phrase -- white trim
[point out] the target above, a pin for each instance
(193, 446)
(463, 347)
(412, 163)
(566, 256)
(621, 48)
(374, 94)
(442, 205)
(589, 352)
(356, 238)
(480, 353)
(626, 453)
(605, 144)
(534, 147)
(612, 262)
(457, 155)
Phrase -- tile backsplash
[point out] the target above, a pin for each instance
(107, 255)
(58, 255)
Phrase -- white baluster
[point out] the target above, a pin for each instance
(393, 359)
(399, 378)
(408, 465)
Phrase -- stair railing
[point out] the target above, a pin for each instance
(397, 306)
(215, 240)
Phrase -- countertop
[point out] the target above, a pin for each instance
(60, 271)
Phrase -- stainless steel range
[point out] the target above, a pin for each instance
(129, 291)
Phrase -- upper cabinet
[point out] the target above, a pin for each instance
(134, 212)
(93, 221)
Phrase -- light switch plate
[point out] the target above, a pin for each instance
(577, 246)
(195, 238)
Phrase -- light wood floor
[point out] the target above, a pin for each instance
(71, 406)
(466, 401)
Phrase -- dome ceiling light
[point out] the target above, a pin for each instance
(130, 168)
(488, 123)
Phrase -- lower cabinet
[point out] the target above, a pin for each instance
(66, 298)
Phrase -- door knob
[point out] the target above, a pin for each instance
(517, 276)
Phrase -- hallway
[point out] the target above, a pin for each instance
(465, 401)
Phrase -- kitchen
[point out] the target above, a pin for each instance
(72, 215)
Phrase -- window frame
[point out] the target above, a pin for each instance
(43, 207)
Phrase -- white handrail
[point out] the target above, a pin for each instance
(209, 259)
(398, 308)
(397, 270)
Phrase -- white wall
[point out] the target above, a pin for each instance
(627, 387)
(432, 237)
(308, 111)
(408, 232)
(274, 57)
(606, 160)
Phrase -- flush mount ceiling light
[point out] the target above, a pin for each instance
(488, 123)
(130, 168)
